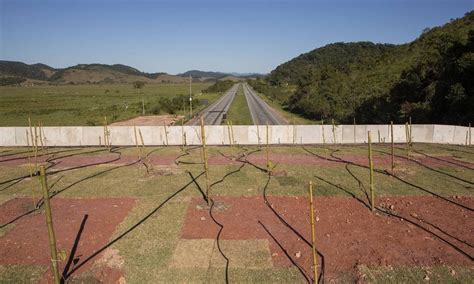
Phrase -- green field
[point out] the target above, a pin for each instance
(71, 105)
(150, 250)
(239, 112)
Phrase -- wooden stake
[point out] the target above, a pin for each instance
(294, 131)
(136, 137)
(407, 139)
(166, 134)
(334, 132)
(183, 135)
(204, 157)
(35, 142)
(230, 136)
(410, 136)
(30, 169)
(371, 165)
(324, 141)
(470, 137)
(232, 132)
(49, 223)
(392, 150)
(40, 136)
(378, 131)
(313, 233)
(267, 153)
(258, 134)
(354, 130)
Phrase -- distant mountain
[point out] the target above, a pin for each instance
(197, 74)
(22, 70)
(429, 80)
(202, 74)
(82, 74)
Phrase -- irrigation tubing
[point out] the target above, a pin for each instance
(427, 167)
(338, 159)
(400, 217)
(445, 161)
(126, 232)
(56, 192)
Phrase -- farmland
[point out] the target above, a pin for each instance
(146, 219)
(76, 105)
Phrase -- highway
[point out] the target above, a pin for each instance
(214, 113)
(260, 111)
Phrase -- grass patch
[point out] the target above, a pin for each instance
(239, 112)
(75, 105)
(21, 273)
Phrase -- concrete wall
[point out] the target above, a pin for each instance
(243, 135)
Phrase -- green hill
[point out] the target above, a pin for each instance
(429, 79)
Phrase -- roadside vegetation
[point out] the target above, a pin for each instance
(239, 112)
(429, 79)
(67, 105)
(219, 87)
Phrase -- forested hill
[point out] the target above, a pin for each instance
(430, 79)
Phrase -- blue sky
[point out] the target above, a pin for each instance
(175, 36)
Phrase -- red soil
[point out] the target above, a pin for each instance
(347, 233)
(27, 241)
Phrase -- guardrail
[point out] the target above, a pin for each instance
(240, 134)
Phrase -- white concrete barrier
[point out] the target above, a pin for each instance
(242, 135)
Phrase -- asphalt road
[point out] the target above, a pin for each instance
(214, 113)
(260, 111)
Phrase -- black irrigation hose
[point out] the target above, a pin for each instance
(394, 215)
(338, 159)
(427, 167)
(221, 227)
(126, 232)
(187, 153)
(54, 193)
(40, 155)
(50, 163)
(445, 161)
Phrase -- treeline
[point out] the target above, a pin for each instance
(219, 87)
(429, 79)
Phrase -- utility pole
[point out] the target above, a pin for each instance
(190, 98)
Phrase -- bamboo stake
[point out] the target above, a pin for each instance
(294, 131)
(378, 131)
(334, 132)
(410, 129)
(49, 223)
(106, 133)
(470, 137)
(267, 152)
(232, 132)
(230, 136)
(371, 165)
(313, 234)
(30, 169)
(324, 141)
(204, 157)
(354, 130)
(407, 139)
(392, 148)
(166, 134)
(136, 137)
(40, 136)
(36, 147)
(183, 135)
(100, 141)
(258, 134)
(143, 145)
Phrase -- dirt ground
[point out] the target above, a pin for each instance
(82, 227)
(151, 120)
(348, 234)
